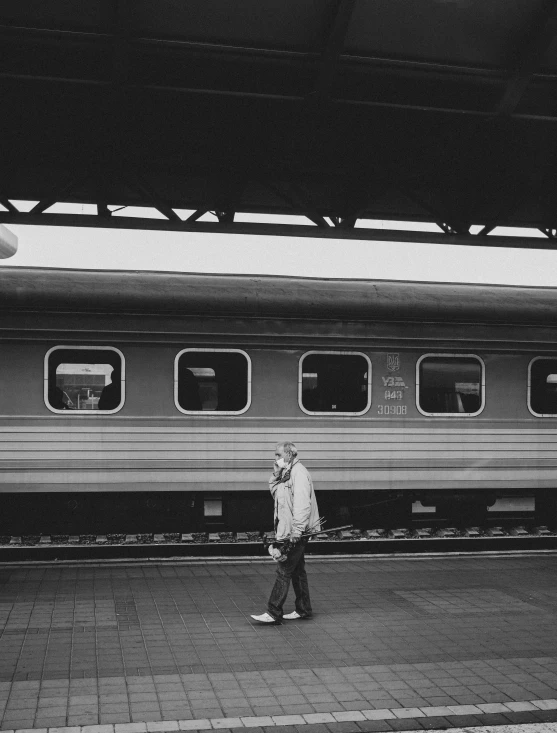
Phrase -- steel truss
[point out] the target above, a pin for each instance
(224, 224)
(459, 143)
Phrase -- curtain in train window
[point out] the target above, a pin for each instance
(450, 385)
(84, 379)
(335, 383)
(213, 381)
(543, 386)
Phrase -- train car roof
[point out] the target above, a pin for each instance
(109, 291)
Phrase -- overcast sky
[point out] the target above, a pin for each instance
(224, 253)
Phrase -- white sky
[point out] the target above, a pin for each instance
(90, 248)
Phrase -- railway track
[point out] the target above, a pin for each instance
(250, 544)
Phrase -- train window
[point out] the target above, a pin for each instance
(336, 383)
(542, 387)
(84, 380)
(212, 381)
(449, 384)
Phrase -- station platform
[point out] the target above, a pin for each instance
(396, 643)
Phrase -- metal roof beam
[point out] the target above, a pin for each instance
(487, 229)
(156, 201)
(538, 37)
(499, 218)
(319, 221)
(262, 53)
(225, 217)
(57, 195)
(282, 230)
(300, 207)
(102, 210)
(346, 222)
(117, 14)
(333, 47)
(448, 226)
(271, 96)
(196, 215)
(452, 228)
(7, 204)
(101, 195)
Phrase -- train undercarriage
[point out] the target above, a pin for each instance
(202, 518)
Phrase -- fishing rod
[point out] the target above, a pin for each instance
(285, 546)
(331, 529)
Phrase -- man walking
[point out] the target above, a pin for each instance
(295, 513)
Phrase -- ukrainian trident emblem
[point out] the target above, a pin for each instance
(393, 362)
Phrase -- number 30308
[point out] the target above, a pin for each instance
(392, 409)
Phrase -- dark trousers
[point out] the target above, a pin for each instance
(292, 569)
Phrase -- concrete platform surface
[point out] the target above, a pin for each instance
(394, 644)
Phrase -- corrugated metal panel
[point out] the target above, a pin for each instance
(236, 458)
(396, 453)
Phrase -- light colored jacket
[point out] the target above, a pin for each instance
(295, 503)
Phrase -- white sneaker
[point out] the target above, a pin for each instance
(265, 618)
(292, 616)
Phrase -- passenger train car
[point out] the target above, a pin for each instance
(146, 401)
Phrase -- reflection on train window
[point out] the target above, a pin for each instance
(213, 381)
(542, 382)
(450, 385)
(84, 380)
(335, 383)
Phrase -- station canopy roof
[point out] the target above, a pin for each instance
(337, 111)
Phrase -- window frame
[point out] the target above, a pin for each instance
(335, 414)
(212, 413)
(85, 413)
(453, 356)
(529, 388)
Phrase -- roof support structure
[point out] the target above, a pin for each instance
(539, 35)
(449, 227)
(7, 204)
(296, 198)
(288, 230)
(170, 109)
(59, 194)
(158, 204)
(118, 22)
(196, 215)
(225, 217)
(526, 60)
(507, 210)
(530, 115)
(102, 210)
(333, 48)
(347, 222)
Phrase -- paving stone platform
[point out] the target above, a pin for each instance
(395, 644)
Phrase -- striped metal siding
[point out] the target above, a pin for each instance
(238, 457)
